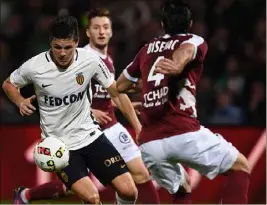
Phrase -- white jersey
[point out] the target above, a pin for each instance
(61, 94)
(101, 55)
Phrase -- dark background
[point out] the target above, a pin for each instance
(232, 88)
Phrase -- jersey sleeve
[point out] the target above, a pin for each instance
(132, 72)
(21, 76)
(102, 74)
(201, 47)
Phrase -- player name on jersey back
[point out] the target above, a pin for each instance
(160, 46)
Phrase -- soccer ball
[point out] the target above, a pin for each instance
(51, 154)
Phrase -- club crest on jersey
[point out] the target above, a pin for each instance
(79, 78)
(124, 138)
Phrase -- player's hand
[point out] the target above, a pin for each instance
(101, 117)
(136, 87)
(167, 67)
(137, 107)
(26, 107)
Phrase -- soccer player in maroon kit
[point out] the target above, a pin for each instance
(170, 68)
(99, 32)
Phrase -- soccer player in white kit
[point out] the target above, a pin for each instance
(61, 77)
(170, 67)
(99, 31)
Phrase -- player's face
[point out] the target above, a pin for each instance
(99, 31)
(63, 51)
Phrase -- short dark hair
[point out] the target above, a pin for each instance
(64, 27)
(98, 12)
(176, 16)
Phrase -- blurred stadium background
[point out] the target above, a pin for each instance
(231, 94)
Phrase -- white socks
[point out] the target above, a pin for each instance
(22, 195)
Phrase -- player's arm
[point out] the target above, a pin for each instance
(180, 58)
(136, 105)
(129, 78)
(124, 104)
(194, 48)
(124, 85)
(122, 101)
(12, 92)
(134, 88)
(11, 86)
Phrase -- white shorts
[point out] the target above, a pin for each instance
(123, 142)
(208, 153)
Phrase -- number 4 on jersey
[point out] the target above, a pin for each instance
(157, 77)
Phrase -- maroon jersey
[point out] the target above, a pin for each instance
(169, 102)
(100, 97)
